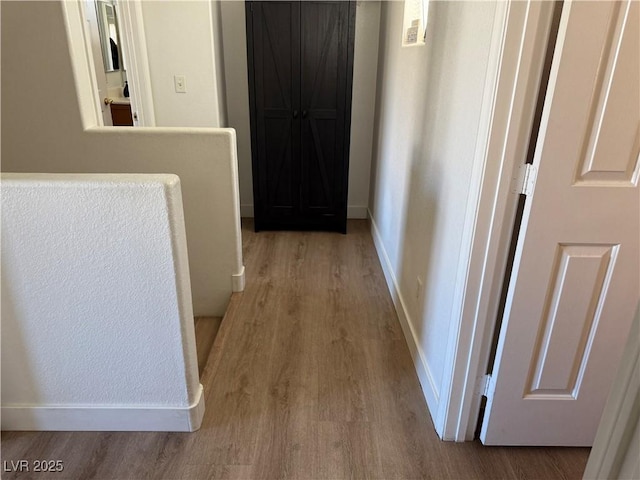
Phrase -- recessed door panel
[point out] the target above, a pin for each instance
(570, 318)
(612, 137)
(325, 30)
(275, 30)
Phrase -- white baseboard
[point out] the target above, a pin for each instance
(353, 211)
(104, 418)
(237, 281)
(425, 377)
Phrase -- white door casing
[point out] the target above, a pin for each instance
(93, 33)
(575, 282)
(136, 61)
(616, 449)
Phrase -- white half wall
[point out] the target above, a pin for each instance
(53, 130)
(363, 103)
(429, 101)
(97, 322)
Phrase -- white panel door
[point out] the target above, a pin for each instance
(575, 283)
(91, 17)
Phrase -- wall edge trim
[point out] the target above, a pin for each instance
(238, 281)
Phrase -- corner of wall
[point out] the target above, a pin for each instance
(218, 57)
(238, 281)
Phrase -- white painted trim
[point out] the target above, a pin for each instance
(457, 336)
(105, 418)
(613, 445)
(239, 267)
(238, 281)
(523, 29)
(420, 364)
(82, 64)
(353, 211)
(136, 61)
(99, 78)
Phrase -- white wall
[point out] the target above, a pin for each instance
(97, 323)
(365, 74)
(51, 131)
(234, 41)
(115, 82)
(364, 82)
(180, 39)
(427, 116)
(218, 59)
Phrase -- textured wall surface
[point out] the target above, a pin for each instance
(96, 301)
(97, 322)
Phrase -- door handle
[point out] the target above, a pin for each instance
(295, 114)
(304, 114)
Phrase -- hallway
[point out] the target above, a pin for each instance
(309, 377)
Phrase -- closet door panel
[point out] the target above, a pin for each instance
(324, 50)
(275, 41)
(300, 57)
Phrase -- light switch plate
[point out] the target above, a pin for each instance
(180, 83)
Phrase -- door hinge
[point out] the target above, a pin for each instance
(486, 386)
(524, 180)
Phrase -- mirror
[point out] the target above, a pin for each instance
(109, 36)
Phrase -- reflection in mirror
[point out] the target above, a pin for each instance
(109, 36)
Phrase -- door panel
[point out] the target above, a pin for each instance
(277, 92)
(575, 283)
(324, 39)
(611, 146)
(580, 277)
(91, 18)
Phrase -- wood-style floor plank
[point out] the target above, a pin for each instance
(309, 377)
(206, 331)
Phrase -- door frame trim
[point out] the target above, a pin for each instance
(613, 446)
(136, 61)
(129, 15)
(521, 32)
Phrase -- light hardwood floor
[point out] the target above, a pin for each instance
(309, 377)
(206, 331)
